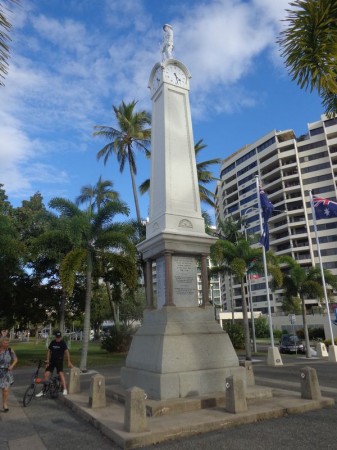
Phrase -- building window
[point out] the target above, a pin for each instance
(266, 144)
(330, 122)
(247, 178)
(248, 199)
(247, 189)
(247, 168)
(311, 146)
(227, 169)
(313, 157)
(316, 131)
(318, 179)
(315, 167)
(246, 156)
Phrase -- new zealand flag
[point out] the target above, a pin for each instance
(324, 208)
(267, 209)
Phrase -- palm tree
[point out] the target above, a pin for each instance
(98, 195)
(5, 27)
(237, 256)
(308, 44)
(204, 177)
(133, 132)
(305, 283)
(92, 234)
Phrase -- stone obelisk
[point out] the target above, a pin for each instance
(180, 350)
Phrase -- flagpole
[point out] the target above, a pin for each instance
(321, 266)
(265, 265)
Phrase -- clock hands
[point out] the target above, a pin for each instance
(178, 80)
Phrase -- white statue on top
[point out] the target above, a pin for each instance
(167, 45)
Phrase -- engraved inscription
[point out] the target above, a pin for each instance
(184, 281)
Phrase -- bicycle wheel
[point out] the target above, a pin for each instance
(54, 388)
(29, 394)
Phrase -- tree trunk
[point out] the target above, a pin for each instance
(232, 297)
(86, 325)
(114, 310)
(245, 322)
(305, 329)
(135, 196)
(62, 312)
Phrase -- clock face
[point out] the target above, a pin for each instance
(175, 75)
(157, 79)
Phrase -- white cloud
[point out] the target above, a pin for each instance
(66, 73)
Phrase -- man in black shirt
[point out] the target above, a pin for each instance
(55, 355)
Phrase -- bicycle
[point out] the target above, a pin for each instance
(50, 388)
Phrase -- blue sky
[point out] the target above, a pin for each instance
(71, 60)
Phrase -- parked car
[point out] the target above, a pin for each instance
(291, 344)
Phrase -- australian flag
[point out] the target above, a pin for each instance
(324, 208)
(267, 209)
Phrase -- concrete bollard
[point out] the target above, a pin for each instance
(309, 384)
(250, 379)
(321, 350)
(135, 420)
(97, 392)
(235, 395)
(74, 385)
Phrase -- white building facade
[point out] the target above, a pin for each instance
(287, 167)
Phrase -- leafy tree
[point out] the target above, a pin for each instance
(261, 327)
(12, 256)
(92, 234)
(237, 256)
(133, 132)
(309, 45)
(305, 283)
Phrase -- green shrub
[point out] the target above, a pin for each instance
(316, 334)
(261, 327)
(327, 342)
(277, 334)
(118, 341)
(235, 332)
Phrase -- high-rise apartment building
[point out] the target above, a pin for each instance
(287, 167)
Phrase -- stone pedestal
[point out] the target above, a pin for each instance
(135, 411)
(309, 384)
(250, 379)
(97, 397)
(235, 395)
(180, 352)
(74, 385)
(333, 353)
(274, 357)
(321, 350)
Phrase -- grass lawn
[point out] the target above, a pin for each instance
(27, 352)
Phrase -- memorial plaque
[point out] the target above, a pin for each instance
(185, 287)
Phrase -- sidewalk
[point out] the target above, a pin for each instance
(47, 425)
(17, 432)
(110, 420)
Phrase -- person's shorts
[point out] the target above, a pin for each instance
(58, 365)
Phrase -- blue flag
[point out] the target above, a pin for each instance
(324, 208)
(267, 209)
